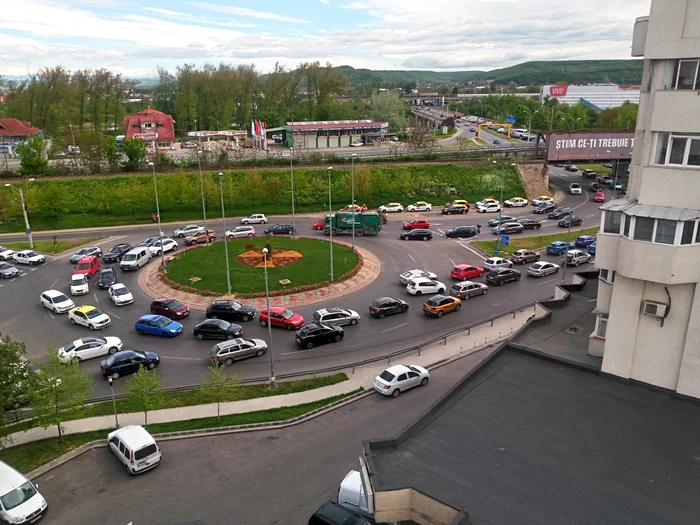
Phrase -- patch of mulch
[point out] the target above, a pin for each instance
(278, 259)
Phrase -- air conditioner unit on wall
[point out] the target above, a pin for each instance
(655, 309)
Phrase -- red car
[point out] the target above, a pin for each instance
(88, 266)
(416, 223)
(281, 316)
(318, 225)
(170, 308)
(599, 197)
(464, 272)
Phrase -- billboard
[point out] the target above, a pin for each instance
(589, 145)
(558, 91)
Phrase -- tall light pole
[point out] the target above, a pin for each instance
(566, 251)
(114, 403)
(330, 209)
(223, 215)
(269, 324)
(352, 178)
(71, 134)
(500, 206)
(291, 170)
(27, 229)
(201, 185)
(160, 230)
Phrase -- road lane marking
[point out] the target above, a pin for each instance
(1, 285)
(471, 250)
(411, 257)
(51, 315)
(96, 299)
(589, 216)
(33, 269)
(453, 263)
(548, 281)
(53, 283)
(592, 301)
(23, 274)
(394, 328)
(113, 315)
(107, 240)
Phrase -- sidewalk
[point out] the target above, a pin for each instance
(462, 344)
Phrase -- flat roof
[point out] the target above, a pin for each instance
(527, 439)
(335, 124)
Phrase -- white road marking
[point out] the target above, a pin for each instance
(548, 281)
(105, 241)
(592, 301)
(51, 315)
(471, 250)
(453, 263)
(181, 358)
(96, 299)
(1, 285)
(411, 257)
(113, 315)
(589, 216)
(394, 328)
(53, 283)
(33, 269)
(394, 247)
(23, 274)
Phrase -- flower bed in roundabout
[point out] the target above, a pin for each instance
(304, 262)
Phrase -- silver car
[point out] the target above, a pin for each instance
(467, 289)
(232, 350)
(7, 271)
(241, 231)
(411, 274)
(190, 229)
(336, 316)
(84, 252)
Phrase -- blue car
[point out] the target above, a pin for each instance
(591, 248)
(559, 247)
(584, 241)
(157, 325)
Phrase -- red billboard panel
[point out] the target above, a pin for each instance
(589, 145)
(558, 91)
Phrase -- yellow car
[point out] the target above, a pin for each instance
(542, 198)
(516, 202)
(438, 305)
(487, 200)
(461, 201)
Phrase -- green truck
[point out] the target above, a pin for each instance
(366, 223)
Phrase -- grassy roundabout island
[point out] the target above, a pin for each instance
(304, 262)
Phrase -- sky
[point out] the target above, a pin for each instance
(134, 38)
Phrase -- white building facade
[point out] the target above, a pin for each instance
(597, 96)
(648, 248)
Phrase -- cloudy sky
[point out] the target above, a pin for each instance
(133, 38)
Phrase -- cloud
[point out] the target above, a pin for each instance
(249, 13)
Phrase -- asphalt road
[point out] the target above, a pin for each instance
(272, 477)
(184, 359)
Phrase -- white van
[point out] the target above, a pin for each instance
(20, 501)
(135, 448)
(135, 259)
(351, 494)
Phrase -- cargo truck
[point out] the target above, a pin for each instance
(366, 223)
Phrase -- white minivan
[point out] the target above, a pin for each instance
(351, 494)
(20, 501)
(135, 259)
(135, 448)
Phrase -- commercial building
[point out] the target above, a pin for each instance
(153, 127)
(330, 133)
(14, 132)
(596, 96)
(648, 248)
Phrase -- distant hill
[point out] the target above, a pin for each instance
(361, 76)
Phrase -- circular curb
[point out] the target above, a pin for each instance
(152, 286)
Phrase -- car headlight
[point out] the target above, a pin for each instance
(174, 330)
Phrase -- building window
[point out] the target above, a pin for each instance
(628, 223)
(665, 231)
(601, 325)
(687, 235)
(677, 149)
(607, 276)
(643, 229)
(611, 222)
(683, 74)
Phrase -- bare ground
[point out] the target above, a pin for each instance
(533, 180)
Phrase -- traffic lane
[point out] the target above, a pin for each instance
(268, 477)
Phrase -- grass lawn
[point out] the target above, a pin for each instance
(209, 265)
(599, 170)
(30, 456)
(536, 242)
(44, 246)
(439, 134)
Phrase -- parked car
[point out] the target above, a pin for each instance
(392, 207)
(464, 272)
(106, 278)
(462, 232)
(500, 220)
(422, 285)
(336, 316)
(128, 362)
(190, 229)
(542, 268)
(354, 208)
(116, 252)
(571, 167)
(489, 208)
(230, 310)
(588, 174)
(135, 448)
(416, 235)
(256, 218)
(507, 228)
(357, 144)
(399, 378)
(226, 352)
(466, 289)
(422, 224)
(595, 187)
(163, 245)
(524, 256)
(591, 248)
(199, 238)
(7, 271)
(280, 229)
(281, 316)
(530, 224)
(599, 197)
(90, 316)
(120, 295)
(157, 325)
(559, 247)
(419, 206)
(459, 202)
(216, 329)
(575, 188)
(29, 257)
(6, 254)
(559, 213)
(85, 252)
(56, 301)
(243, 231)
(516, 202)
(411, 274)
(454, 209)
(584, 241)
(501, 276)
(497, 262)
(570, 220)
(384, 306)
(541, 199)
(170, 308)
(577, 257)
(545, 207)
(315, 334)
(79, 285)
(88, 348)
(439, 305)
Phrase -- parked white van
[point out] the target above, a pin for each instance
(135, 259)
(20, 501)
(135, 448)
(351, 494)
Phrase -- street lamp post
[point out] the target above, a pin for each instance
(566, 251)
(160, 230)
(352, 178)
(27, 229)
(330, 210)
(72, 136)
(223, 215)
(201, 185)
(291, 170)
(114, 403)
(500, 206)
(269, 324)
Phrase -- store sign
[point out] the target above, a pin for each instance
(586, 145)
(558, 91)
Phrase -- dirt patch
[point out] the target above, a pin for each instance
(535, 179)
(278, 259)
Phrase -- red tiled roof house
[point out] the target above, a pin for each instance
(14, 132)
(153, 127)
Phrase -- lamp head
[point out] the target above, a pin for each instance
(151, 164)
(32, 179)
(8, 185)
(110, 380)
(199, 152)
(329, 168)
(264, 251)
(221, 174)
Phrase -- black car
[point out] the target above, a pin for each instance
(546, 207)
(594, 187)
(229, 310)
(463, 232)
(575, 220)
(530, 224)
(501, 276)
(559, 213)
(148, 241)
(217, 329)
(280, 229)
(331, 513)
(571, 167)
(107, 277)
(451, 210)
(314, 334)
(116, 252)
(384, 306)
(418, 234)
(128, 362)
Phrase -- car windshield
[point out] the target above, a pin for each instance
(224, 325)
(173, 304)
(129, 257)
(31, 254)
(163, 321)
(387, 376)
(235, 305)
(121, 291)
(107, 274)
(78, 279)
(110, 360)
(93, 313)
(4, 266)
(287, 314)
(69, 346)
(433, 301)
(60, 298)
(18, 496)
(83, 266)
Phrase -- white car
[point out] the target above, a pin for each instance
(79, 284)
(256, 218)
(88, 348)
(489, 208)
(542, 268)
(421, 285)
(420, 206)
(167, 246)
(241, 231)
(412, 274)
(577, 257)
(497, 262)
(357, 144)
(399, 378)
(29, 257)
(93, 318)
(575, 188)
(6, 254)
(392, 207)
(120, 294)
(84, 252)
(516, 202)
(56, 301)
(539, 200)
(487, 200)
(336, 316)
(190, 229)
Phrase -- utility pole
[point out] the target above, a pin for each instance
(330, 209)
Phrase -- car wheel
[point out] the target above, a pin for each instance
(353, 322)
(538, 226)
(425, 381)
(245, 222)
(115, 375)
(263, 322)
(91, 327)
(500, 283)
(517, 278)
(164, 334)
(289, 327)
(381, 315)
(458, 307)
(230, 237)
(72, 321)
(439, 314)
(309, 345)
(250, 235)
(396, 393)
(556, 270)
(151, 366)
(441, 290)
(228, 362)
(419, 292)
(577, 263)
(243, 318)
(139, 331)
(113, 350)
(199, 336)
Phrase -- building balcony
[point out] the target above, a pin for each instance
(675, 111)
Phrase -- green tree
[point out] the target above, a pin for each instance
(60, 391)
(272, 188)
(252, 188)
(34, 160)
(390, 106)
(130, 195)
(179, 190)
(145, 391)
(218, 384)
(626, 117)
(135, 151)
(52, 197)
(14, 374)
